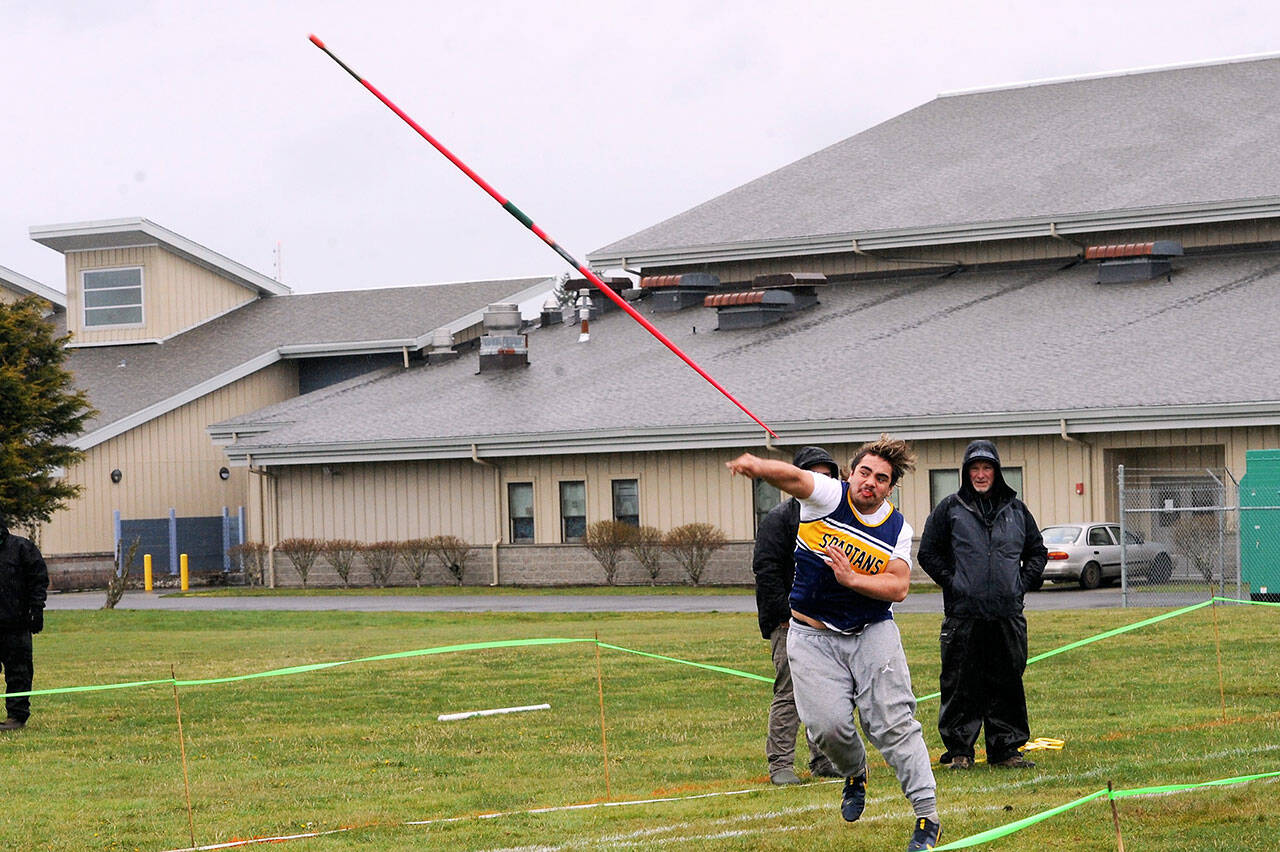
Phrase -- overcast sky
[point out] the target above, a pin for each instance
(222, 122)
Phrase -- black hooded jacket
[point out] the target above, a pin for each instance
(24, 582)
(774, 561)
(984, 550)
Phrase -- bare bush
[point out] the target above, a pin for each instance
(692, 546)
(415, 552)
(380, 558)
(302, 553)
(252, 557)
(341, 554)
(120, 577)
(452, 553)
(606, 540)
(646, 546)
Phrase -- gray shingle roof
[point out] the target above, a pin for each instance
(125, 380)
(1020, 347)
(1177, 137)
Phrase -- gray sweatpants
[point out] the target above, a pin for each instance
(833, 673)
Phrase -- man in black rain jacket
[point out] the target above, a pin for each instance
(24, 585)
(774, 565)
(983, 547)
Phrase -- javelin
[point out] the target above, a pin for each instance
(529, 223)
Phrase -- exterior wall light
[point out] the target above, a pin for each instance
(116, 476)
(224, 474)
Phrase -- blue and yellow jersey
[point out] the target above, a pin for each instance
(816, 592)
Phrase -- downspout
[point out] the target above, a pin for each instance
(1053, 232)
(1087, 448)
(497, 508)
(955, 264)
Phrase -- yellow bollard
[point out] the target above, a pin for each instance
(182, 571)
(146, 572)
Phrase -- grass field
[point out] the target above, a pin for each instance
(359, 746)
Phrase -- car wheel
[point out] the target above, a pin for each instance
(1090, 576)
(1161, 568)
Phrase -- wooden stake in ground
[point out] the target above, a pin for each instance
(604, 741)
(182, 747)
(1217, 642)
(1115, 818)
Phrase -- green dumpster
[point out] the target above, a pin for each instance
(1260, 524)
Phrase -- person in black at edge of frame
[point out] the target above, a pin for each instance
(983, 547)
(24, 585)
(774, 566)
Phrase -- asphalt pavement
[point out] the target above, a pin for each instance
(1052, 598)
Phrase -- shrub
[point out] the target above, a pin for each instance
(452, 553)
(380, 558)
(302, 553)
(692, 546)
(605, 540)
(340, 553)
(646, 546)
(252, 556)
(120, 577)
(415, 552)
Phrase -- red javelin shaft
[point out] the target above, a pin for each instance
(529, 223)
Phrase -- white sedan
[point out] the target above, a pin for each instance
(1090, 555)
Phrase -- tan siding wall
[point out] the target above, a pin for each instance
(372, 502)
(176, 293)
(167, 462)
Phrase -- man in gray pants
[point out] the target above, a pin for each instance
(853, 560)
(774, 566)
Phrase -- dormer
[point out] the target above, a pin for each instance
(133, 281)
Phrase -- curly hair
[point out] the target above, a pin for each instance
(896, 452)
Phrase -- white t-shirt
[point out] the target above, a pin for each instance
(826, 496)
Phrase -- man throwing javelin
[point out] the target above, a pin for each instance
(853, 561)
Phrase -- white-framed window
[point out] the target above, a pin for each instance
(626, 501)
(573, 510)
(112, 296)
(520, 511)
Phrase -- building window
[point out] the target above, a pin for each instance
(765, 497)
(112, 296)
(520, 511)
(626, 501)
(947, 481)
(573, 511)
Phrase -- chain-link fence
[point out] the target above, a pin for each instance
(1180, 535)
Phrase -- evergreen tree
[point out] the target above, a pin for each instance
(39, 410)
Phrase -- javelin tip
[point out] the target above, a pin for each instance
(316, 41)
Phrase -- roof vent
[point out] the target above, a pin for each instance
(1127, 262)
(502, 346)
(600, 303)
(552, 312)
(675, 292)
(441, 347)
(772, 298)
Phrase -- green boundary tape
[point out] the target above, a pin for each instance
(517, 643)
(1018, 825)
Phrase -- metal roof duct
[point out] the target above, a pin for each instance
(771, 298)
(671, 293)
(502, 345)
(441, 347)
(1127, 262)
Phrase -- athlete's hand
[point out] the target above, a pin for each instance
(839, 562)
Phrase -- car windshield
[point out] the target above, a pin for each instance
(1060, 535)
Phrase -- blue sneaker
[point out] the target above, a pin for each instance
(854, 799)
(925, 836)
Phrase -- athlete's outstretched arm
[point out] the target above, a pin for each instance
(779, 474)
